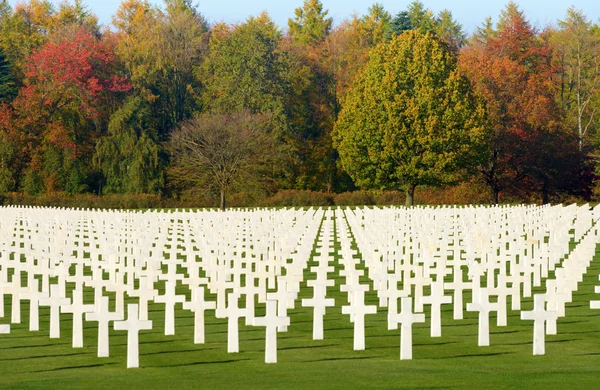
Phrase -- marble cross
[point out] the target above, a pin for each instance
(78, 308)
(539, 315)
(55, 302)
(407, 318)
(133, 325)
(103, 316)
(272, 322)
(481, 303)
(357, 310)
(198, 305)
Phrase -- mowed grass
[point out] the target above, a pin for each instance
(572, 360)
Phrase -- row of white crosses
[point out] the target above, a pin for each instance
(130, 248)
(269, 250)
(528, 241)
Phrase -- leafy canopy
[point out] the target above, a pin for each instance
(411, 118)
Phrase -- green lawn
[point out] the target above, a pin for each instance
(572, 360)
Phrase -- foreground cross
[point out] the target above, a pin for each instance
(407, 318)
(78, 308)
(319, 303)
(482, 304)
(436, 300)
(357, 311)
(539, 315)
(272, 322)
(133, 325)
(55, 302)
(233, 314)
(198, 305)
(103, 316)
(5, 329)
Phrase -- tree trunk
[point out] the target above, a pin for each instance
(496, 195)
(410, 195)
(545, 192)
(222, 199)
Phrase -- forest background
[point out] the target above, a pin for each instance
(111, 116)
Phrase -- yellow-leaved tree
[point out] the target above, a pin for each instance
(410, 118)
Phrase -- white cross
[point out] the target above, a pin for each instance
(319, 303)
(540, 316)
(170, 298)
(103, 316)
(198, 305)
(482, 304)
(458, 285)
(358, 310)
(133, 325)
(407, 318)
(144, 293)
(283, 297)
(436, 300)
(233, 313)
(4, 328)
(272, 322)
(34, 295)
(55, 302)
(77, 308)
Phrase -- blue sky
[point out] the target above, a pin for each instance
(469, 13)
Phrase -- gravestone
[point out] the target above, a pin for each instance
(198, 305)
(273, 322)
(357, 310)
(55, 302)
(133, 325)
(407, 318)
(539, 315)
(103, 316)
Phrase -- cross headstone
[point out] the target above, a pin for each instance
(198, 305)
(319, 303)
(481, 303)
(407, 318)
(540, 316)
(358, 310)
(133, 325)
(78, 308)
(170, 298)
(436, 300)
(55, 302)
(272, 322)
(233, 313)
(103, 316)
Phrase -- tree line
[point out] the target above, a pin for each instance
(164, 102)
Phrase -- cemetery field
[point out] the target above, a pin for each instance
(31, 359)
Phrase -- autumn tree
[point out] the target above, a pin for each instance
(310, 24)
(161, 51)
(411, 118)
(55, 110)
(511, 68)
(226, 152)
(578, 56)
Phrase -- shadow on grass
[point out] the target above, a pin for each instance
(307, 347)
(339, 358)
(473, 355)
(44, 356)
(34, 346)
(74, 367)
(199, 363)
